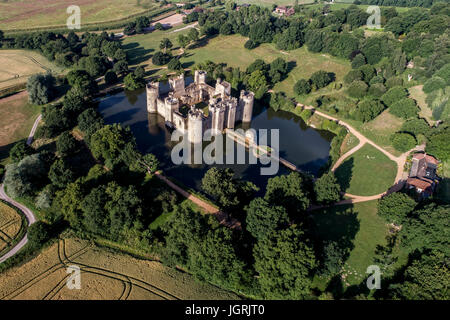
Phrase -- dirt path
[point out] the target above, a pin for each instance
(222, 217)
(400, 161)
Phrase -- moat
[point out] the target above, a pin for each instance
(301, 145)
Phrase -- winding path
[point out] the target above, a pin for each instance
(28, 213)
(400, 161)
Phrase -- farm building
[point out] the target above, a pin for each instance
(422, 176)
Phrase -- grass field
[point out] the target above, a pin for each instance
(366, 172)
(230, 50)
(23, 14)
(350, 141)
(269, 3)
(425, 112)
(357, 227)
(10, 226)
(105, 275)
(16, 121)
(18, 65)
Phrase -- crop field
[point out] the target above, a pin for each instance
(23, 14)
(230, 50)
(18, 65)
(16, 121)
(10, 226)
(367, 172)
(105, 275)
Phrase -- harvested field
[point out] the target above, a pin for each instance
(18, 65)
(24, 14)
(105, 275)
(10, 226)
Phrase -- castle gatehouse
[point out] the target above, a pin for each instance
(197, 107)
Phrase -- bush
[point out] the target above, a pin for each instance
(66, 144)
(394, 81)
(250, 44)
(405, 108)
(377, 79)
(435, 83)
(393, 95)
(357, 89)
(368, 72)
(438, 145)
(403, 141)
(302, 86)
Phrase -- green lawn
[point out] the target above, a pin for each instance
(366, 172)
(230, 49)
(356, 227)
(350, 141)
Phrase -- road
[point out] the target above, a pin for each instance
(28, 214)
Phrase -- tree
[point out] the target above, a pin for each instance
(74, 102)
(302, 86)
(250, 44)
(89, 121)
(395, 207)
(322, 78)
(183, 40)
(175, 64)
(405, 108)
(393, 95)
(165, 44)
(403, 141)
(425, 278)
(368, 109)
(95, 215)
(257, 83)
(358, 61)
(416, 126)
(327, 189)
(108, 143)
(438, 145)
(26, 177)
(368, 72)
(353, 75)
(95, 65)
(132, 82)
(288, 191)
(377, 89)
(357, 89)
(38, 233)
(41, 88)
(66, 144)
(285, 262)
(83, 81)
(61, 173)
(19, 151)
(263, 219)
(434, 83)
(161, 58)
(110, 77)
(220, 185)
(193, 34)
(333, 259)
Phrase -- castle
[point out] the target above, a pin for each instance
(183, 107)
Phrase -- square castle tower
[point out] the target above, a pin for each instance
(224, 111)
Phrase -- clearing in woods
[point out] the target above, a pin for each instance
(105, 275)
(23, 14)
(21, 64)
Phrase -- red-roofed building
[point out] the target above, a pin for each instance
(284, 11)
(422, 176)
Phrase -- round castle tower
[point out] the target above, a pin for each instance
(152, 97)
(195, 126)
(246, 100)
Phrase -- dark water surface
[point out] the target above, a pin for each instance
(303, 146)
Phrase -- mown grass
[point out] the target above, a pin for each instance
(16, 122)
(356, 227)
(366, 172)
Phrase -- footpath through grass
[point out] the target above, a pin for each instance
(367, 172)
